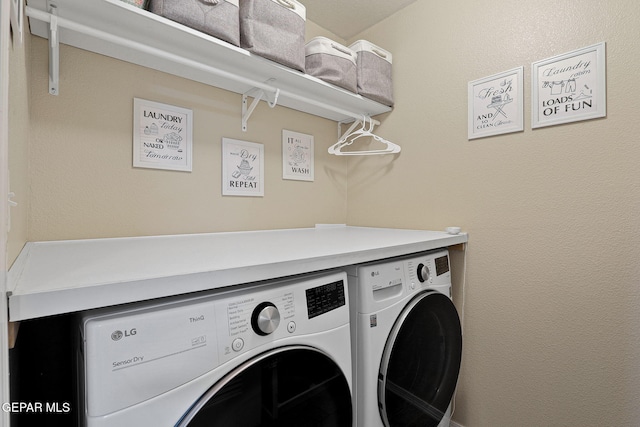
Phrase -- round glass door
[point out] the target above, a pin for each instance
(421, 363)
(286, 387)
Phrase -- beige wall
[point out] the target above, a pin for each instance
(19, 146)
(551, 319)
(83, 184)
(552, 300)
(70, 155)
(69, 178)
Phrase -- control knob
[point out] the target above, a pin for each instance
(423, 273)
(265, 318)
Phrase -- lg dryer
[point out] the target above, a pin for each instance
(273, 354)
(406, 341)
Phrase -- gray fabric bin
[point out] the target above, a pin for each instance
(332, 62)
(218, 18)
(374, 72)
(274, 29)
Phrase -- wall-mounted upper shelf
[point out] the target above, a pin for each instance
(116, 29)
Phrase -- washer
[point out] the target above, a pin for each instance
(406, 341)
(258, 355)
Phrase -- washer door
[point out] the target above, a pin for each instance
(293, 386)
(420, 363)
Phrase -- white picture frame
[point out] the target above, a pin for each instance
(570, 87)
(297, 156)
(242, 168)
(496, 104)
(162, 136)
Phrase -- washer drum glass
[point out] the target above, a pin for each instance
(421, 363)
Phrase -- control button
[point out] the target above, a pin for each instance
(265, 318)
(291, 327)
(413, 286)
(423, 273)
(237, 344)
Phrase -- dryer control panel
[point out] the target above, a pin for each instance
(168, 343)
(260, 315)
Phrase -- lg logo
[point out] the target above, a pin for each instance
(118, 335)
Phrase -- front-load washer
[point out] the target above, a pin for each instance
(269, 354)
(406, 341)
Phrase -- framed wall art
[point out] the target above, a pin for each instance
(242, 168)
(496, 104)
(297, 156)
(162, 136)
(569, 87)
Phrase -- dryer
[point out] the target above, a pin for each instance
(406, 341)
(267, 354)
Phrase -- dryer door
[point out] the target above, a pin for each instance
(293, 386)
(420, 363)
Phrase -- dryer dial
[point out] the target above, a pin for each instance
(423, 273)
(265, 318)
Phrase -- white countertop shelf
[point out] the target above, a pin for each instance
(119, 30)
(58, 277)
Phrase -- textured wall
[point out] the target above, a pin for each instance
(552, 307)
(80, 162)
(67, 174)
(18, 147)
(551, 315)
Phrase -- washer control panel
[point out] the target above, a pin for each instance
(430, 269)
(378, 284)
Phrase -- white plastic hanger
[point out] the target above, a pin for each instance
(350, 136)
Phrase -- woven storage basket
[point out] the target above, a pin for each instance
(374, 72)
(218, 18)
(332, 62)
(274, 29)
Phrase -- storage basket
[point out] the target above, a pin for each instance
(218, 18)
(274, 29)
(374, 72)
(332, 62)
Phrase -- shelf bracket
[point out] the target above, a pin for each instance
(54, 51)
(257, 94)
